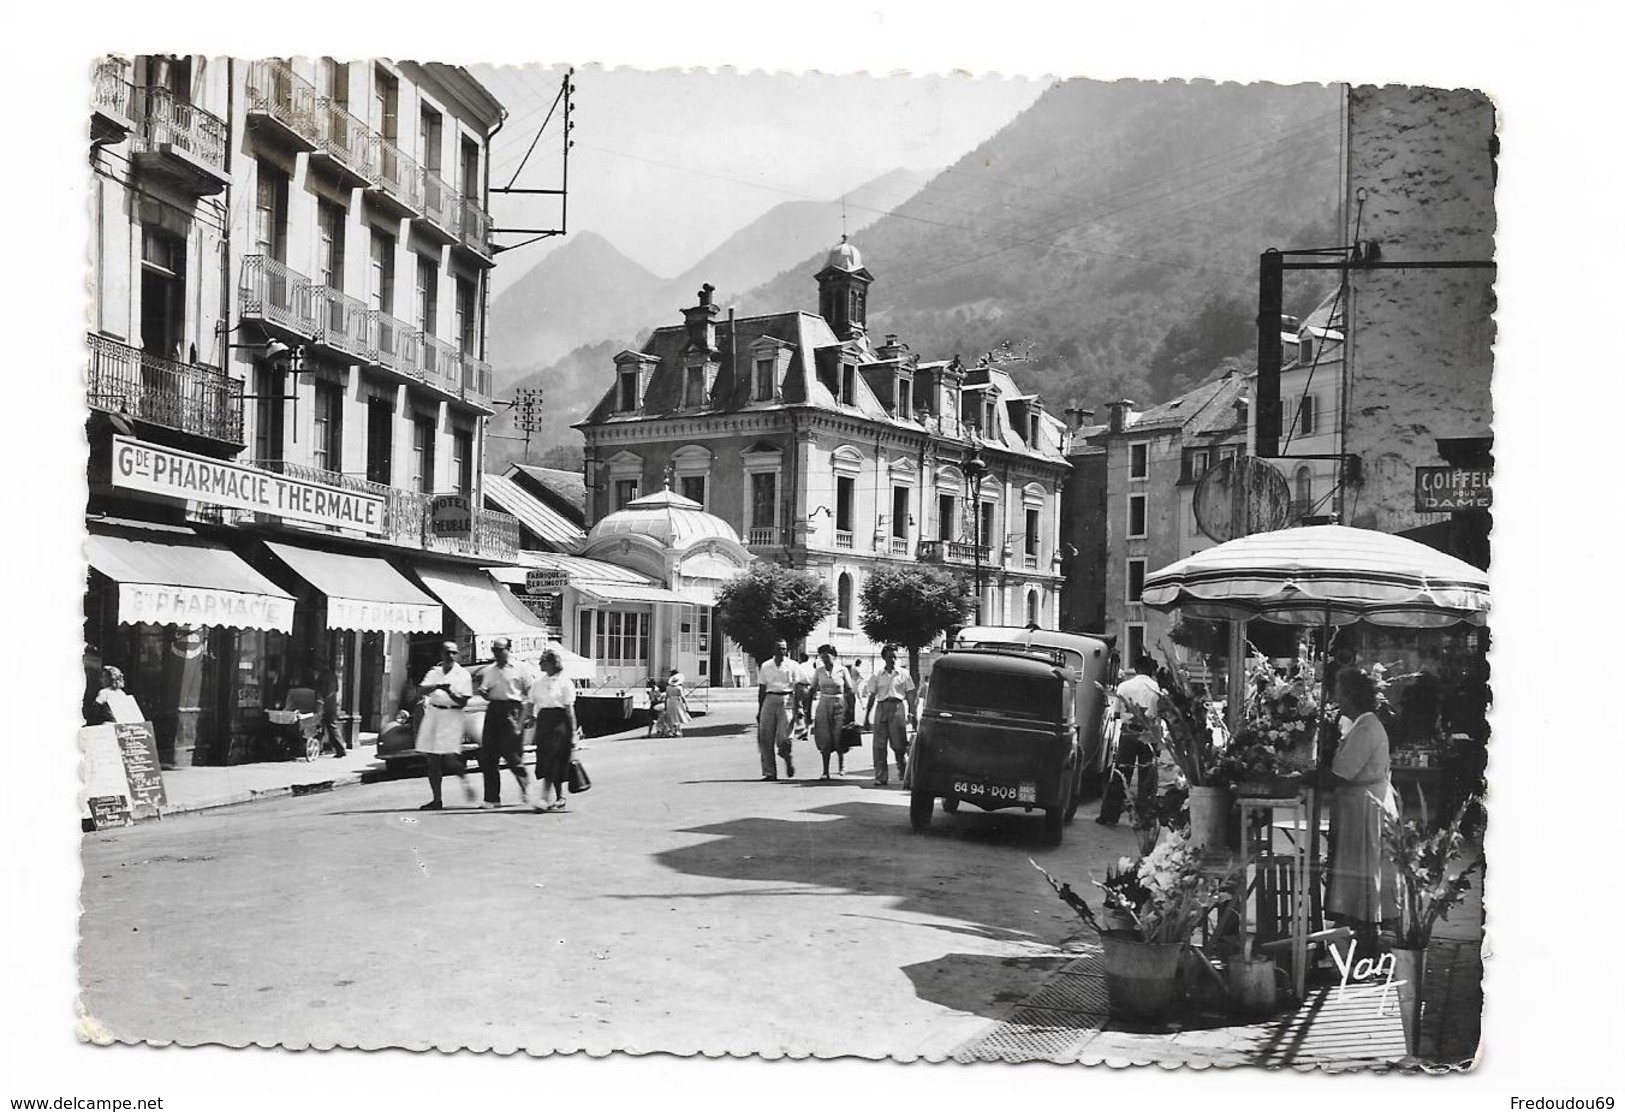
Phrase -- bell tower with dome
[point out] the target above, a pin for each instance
(843, 291)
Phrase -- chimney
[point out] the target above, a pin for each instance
(1077, 417)
(891, 349)
(702, 321)
(1117, 419)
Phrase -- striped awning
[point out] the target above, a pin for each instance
(363, 592)
(173, 576)
(1323, 574)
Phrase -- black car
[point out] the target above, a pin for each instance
(999, 730)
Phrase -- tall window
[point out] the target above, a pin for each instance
(268, 425)
(905, 397)
(849, 384)
(386, 99)
(1136, 515)
(333, 81)
(428, 296)
(947, 527)
(468, 319)
(380, 441)
(462, 461)
(846, 490)
(1032, 607)
(693, 387)
(1031, 541)
(1136, 579)
(382, 260)
(471, 168)
(621, 640)
(330, 258)
(693, 488)
(988, 526)
(764, 499)
(423, 456)
(1138, 461)
(327, 452)
(765, 376)
(271, 213)
(1302, 492)
(1136, 642)
(1307, 415)
(628, 400)
(843, 601)
(899, 512)
(163, 293)
(430, 138)
(626, 490)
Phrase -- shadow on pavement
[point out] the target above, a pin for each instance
(970, 982)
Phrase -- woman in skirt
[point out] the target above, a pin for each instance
(552, 702)
(674, 714)
(1361, 894)
(446, 689)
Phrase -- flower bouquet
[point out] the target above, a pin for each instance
(1427, 886)
(1275, 745)
(1158, 898)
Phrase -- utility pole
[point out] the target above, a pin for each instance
(526, 405)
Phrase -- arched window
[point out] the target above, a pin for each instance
(843, 601)
(1032, 607)
(1302, 491)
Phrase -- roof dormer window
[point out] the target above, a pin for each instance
(849, 384)
(766, 379)
(1306, 349)
(626, 399)
(694, 387)
(905, 397)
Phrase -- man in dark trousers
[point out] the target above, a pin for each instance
(330, 715)
(1138, 701)
(505, 684)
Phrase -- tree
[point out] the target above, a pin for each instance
(910, 605)
(767, 602)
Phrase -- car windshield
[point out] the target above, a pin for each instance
(974, 691)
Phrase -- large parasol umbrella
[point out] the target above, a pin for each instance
(1323, 574)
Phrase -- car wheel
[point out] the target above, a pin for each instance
(1076, 796)
(1054, 825)
(950, 805)
(920, 804)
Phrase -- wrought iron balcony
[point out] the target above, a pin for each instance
(181, 143)
(275, 294)
(442, 364)
(276, 93)
(765, 537)
(397, 345)
(406, 520)
(344, 324)
(112, 100)
(440, 204)
(952, 552)
(476, 228)
(476, 380)
(398, 176)
(345, 140)
(187, 397)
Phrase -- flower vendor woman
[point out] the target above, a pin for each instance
(1361, 894)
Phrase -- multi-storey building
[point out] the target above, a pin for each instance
(287, 386)
(1154, 461)
(826, 451)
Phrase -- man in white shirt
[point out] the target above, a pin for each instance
(780, 687)
(1139, 700)
(504, 683)
(893, 691)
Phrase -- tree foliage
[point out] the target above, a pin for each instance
(768, 601)
(909, 605)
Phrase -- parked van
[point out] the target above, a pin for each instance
(1091, 659)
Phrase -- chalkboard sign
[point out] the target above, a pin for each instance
(108, 811)
(139, 751)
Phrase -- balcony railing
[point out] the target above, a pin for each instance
(1029, 560)
(272, 292)
(843, 538)
(440, 203)
(344, 323)
(899, 546)
(275, 91)
(171, 124)
(189, 397)
(476, 226)
(398, 173)
(442, 364)
(476, 380)
(952, 552)
(397, 344)
(112, 94)
(406, 519)
(764, 537)
(345, 138)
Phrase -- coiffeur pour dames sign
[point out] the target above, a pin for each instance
(156, 470)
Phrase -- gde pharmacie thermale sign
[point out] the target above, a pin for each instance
(138, 465)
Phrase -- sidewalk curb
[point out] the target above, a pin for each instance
(254, 795)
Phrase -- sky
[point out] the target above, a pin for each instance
(667, 164)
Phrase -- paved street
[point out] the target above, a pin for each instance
(680, 906)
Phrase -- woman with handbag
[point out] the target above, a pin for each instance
(674, 714)
(830, 688)
(552, 706)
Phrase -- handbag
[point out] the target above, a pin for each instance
(851, 737)
(579, 780)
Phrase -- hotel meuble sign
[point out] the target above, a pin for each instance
(138, 465)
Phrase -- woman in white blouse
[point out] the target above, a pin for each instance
(552, 703)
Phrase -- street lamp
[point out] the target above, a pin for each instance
(975, 469)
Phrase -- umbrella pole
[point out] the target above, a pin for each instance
(1236, 685)
(1314, 894)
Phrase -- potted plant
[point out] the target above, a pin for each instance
(1152, 905)
(1193, 741)
(1430, 879)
